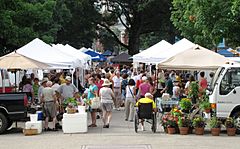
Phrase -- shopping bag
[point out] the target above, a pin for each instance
(95, 103)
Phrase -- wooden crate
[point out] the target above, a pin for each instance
(30, 132)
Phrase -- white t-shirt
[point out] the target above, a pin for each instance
(48, 94)
(130, 94)
(55, 87)
(106, 95)
(176, 92)
(117, 81)
(187, 85)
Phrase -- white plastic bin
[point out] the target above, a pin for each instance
(81, 109)
(33, 117)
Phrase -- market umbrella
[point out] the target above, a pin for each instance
(14, 62)
(18, 61)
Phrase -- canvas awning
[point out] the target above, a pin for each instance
(152, 54)
(195, 58)
(40, 51)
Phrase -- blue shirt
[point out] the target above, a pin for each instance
(92, 89)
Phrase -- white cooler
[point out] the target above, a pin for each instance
(34, 125)
(74, 123)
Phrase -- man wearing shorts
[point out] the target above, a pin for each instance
(48, 99)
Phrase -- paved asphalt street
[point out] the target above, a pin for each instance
(120, 135)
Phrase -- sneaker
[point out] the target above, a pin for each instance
(58, 126)
(98, 116)
(131, 121)
(92, 125)
(107, 126)
(54, 129)
(126, 119)
(143, 128)
(104, 126)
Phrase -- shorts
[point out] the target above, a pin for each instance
(50, 109)
(107, 107)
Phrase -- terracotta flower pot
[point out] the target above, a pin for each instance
(183, 130)
(171, 130)
(207, 110)
(231, 131)
(199, 131)
(215, 131)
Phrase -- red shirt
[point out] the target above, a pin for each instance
(203, 83)
(99, 85)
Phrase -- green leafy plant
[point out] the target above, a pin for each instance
(198, 122)
(205, 105)
(184, 122)
(215, 123)
(193, 91)
(73, 101)
(230, 123)
(185, 104)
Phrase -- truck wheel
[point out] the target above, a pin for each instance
(3, 123)
(236, 116)
(9, 124)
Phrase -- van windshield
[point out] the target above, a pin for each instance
(216, 76)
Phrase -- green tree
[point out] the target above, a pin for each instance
(206, 22)
(81, 29)
(142, 17)
(23, 20)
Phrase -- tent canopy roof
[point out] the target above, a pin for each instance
(122, 58)
(40, 51)
(95, 56)
(195, 58)
(152, 54)
(226, 53)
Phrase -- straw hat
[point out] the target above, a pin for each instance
(68, 78)
(44, 80)
(106, 82)
(148, 95)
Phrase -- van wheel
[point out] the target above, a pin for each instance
(3, 123)
(236, 116)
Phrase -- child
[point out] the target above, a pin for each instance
(176, 90)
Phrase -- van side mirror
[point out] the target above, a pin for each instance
(234, 91)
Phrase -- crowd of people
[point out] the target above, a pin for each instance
(118, 89)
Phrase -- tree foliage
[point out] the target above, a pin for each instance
(142, 17)
(63, 21)
(206, 22)
(81, 29)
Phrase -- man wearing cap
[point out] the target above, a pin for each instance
(148, 99)
(43, 85)
(67, 90)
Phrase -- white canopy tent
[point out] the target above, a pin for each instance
(152, 54)
(195, 58)
(85, 59)
(235, 59)
(42, 52)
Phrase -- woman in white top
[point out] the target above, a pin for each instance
(176, 90)
(130, 100)
(106, 94)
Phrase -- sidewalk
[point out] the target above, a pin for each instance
(119, 133)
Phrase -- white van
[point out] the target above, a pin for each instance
(225, 92)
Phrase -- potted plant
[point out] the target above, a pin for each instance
(215, 126)
(169, 122)
(206, 106)
(199, 125)
(185, 105)
(183, 124)
(230, 126)
(193, 92)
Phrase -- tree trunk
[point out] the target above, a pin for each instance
(134, 41)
